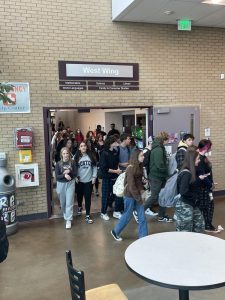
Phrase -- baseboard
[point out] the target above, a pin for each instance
(32, 217)
(219, 193)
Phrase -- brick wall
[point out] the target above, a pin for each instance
(176, 68)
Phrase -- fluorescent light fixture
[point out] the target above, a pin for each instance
(215, 2)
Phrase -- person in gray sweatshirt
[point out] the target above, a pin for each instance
(66, 172)
(86, 176)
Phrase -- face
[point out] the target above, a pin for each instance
(141, 157)
(128, 140)
(78, 130)
(65, 155)
(189, 142)
(83, 148)
(100, 137)
(112, 126)
(69, 144)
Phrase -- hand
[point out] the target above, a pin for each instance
(202, 176)
(118, 171)
(77, 180)
(93, 180)
(68, 177)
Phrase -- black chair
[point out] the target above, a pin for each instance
(77, 286)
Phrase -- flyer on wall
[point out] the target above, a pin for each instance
(19, 99)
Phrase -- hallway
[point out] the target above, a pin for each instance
(36, 269)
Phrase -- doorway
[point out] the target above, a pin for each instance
(87, 119)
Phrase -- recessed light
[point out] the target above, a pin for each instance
(215, 2)
(168, 12)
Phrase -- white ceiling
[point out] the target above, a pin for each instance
(152, 11)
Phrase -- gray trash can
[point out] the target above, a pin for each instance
(7, 198)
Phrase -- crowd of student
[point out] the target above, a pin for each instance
(80, 163)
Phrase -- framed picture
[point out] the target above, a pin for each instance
(27, 175)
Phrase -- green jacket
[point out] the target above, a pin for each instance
(158, 161)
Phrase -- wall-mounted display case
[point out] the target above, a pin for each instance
(27, 175)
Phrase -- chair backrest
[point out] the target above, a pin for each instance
(76, 278)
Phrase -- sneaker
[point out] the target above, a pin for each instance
(117, 214)
(149, 212)
(79, 211)
(104, 217)
(115, 236)
(165, 219)
(135, 215)
(88, 220)
(97, 194)
(68, 224)
(211, 228)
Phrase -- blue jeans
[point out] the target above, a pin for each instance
(130, 205)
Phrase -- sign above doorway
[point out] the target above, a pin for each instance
(82, 76)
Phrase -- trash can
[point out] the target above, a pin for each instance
(7, 198)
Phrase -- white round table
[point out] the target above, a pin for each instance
(179, 260)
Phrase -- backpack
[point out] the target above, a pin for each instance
(4, 243)
(169, 196)
(118, 187)
(172, 164)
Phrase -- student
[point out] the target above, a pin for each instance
(158, 173)
(109, 171)
(124, 151)
(132, 197)
(86, 176)
(205, 192)
(113, 130)
(78, 136)
(66, 172)
(188, 215)
(70, 145)
(99, 130)
(99, 146)
(186, 142)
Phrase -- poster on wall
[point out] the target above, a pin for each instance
(20, 99)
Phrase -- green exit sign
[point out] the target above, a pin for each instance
(184, 25)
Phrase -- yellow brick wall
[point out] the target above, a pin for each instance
(176, 68)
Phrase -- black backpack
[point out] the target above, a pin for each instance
(4, 243)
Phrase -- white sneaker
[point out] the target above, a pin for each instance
(149, 212)
(104, 217)
(135, 215)
(68, 224)
(117, 215)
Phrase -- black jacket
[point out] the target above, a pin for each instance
(108, 160)
(188, 190)
(204, 167)
(61, 167)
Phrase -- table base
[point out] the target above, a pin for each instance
(183, 295)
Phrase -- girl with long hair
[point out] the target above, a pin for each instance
(205, 192)
(86, 176)
(189, 216)
(133, 189)
(78, 136)
(66, 172)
